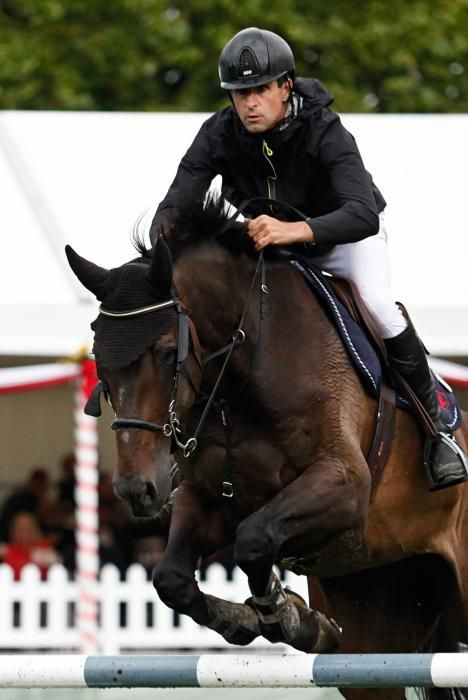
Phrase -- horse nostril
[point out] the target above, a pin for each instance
(140, 494)
(149, 496)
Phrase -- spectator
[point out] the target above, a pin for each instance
(28, 545)
(34, 497)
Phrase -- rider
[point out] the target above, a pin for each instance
(280, 139)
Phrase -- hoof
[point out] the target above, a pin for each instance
(318, 634)
(329, 632)
(236, 623)
(308, 630)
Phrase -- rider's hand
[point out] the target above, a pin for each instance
(265, 230)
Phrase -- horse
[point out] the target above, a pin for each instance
(224, 361)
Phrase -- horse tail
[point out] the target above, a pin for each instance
(442, 640)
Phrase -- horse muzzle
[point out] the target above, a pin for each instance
(144, 499)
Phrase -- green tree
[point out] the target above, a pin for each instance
(372, 55)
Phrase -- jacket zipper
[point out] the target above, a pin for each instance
(271, 179)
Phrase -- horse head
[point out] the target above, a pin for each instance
(145, 350)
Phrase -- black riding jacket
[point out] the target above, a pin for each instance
(312, 164)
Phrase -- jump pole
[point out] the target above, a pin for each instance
(235, 671)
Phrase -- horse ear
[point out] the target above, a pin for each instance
(160, 270)
(91, 276)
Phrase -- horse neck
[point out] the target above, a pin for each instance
(294, 333)
(214, 284)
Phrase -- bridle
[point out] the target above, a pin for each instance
(187, 342)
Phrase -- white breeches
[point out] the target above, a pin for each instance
(366, 264)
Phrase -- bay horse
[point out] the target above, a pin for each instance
(226, 357)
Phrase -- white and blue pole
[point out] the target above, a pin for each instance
(231, 671)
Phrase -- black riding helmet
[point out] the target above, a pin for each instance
(254, 57)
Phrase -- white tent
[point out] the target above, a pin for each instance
(84, 178)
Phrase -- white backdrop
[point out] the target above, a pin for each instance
(84, 178)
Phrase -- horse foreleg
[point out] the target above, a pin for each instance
(302, 517)
(197, 531)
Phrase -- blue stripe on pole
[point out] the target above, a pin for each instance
(141, 672)
(372, 670)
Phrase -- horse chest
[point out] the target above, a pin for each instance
(256, 469)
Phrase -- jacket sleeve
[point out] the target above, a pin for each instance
(193, 178)
(356, 216)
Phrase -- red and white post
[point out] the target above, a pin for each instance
(86, 514)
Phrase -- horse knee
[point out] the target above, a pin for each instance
(175, 588)
(254, 543)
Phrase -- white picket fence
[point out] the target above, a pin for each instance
(40, 615)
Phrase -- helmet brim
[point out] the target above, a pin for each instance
(254, 81)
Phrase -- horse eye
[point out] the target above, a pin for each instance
(166, 356)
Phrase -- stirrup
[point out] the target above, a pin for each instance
(430, 448)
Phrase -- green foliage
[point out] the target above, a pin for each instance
(373, 55)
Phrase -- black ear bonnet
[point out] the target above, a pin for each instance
(119, 341)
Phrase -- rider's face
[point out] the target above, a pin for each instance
(261, 108)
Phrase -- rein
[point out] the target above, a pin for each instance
(238, 337)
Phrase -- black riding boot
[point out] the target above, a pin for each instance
(445, 461)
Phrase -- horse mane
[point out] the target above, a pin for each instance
(197, 223)
(138, 241)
